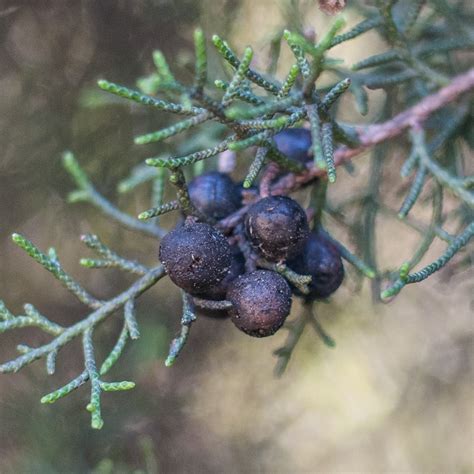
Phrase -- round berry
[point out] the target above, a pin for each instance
(237, 267)
(215, 195)
(277, 227)
(320, 259)
(196, 257)
(261, 302)
(294, 143)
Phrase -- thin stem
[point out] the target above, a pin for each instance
(436, 219)
(442, 176)
(285, 352)
(107, 308)
(94, 406)
(372, 135)
(53, 266)
(87, 192)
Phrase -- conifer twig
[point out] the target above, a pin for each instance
(372, 135)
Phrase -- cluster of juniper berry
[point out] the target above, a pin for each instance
(204, 263)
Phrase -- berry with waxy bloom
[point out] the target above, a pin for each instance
(215, 195)
(294, 143)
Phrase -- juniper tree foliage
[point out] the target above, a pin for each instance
(423, 72)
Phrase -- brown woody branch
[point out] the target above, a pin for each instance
(371, 135)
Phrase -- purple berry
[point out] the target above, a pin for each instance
(261, 302)
(277, 227)
(294, 143)
(215, 195)
(320, 259)
(237, 267)
(196, 257)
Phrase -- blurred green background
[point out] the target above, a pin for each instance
(395, 395)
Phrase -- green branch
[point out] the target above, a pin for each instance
(87, 192)
(84, 328)
(406, 278)
(189, 316)
(54, 267)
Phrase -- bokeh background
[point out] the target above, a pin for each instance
(395, 395)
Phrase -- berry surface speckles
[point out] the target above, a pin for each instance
(237, 267)
(277, 227)
(261, 302)
(215, 195)
(196, 257)
(320, 259)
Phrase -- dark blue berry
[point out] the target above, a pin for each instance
(196, 257)
(261, 302)
(320, 259)
(294, 143)
(237, 267)
(215, 194)
(277, 227)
